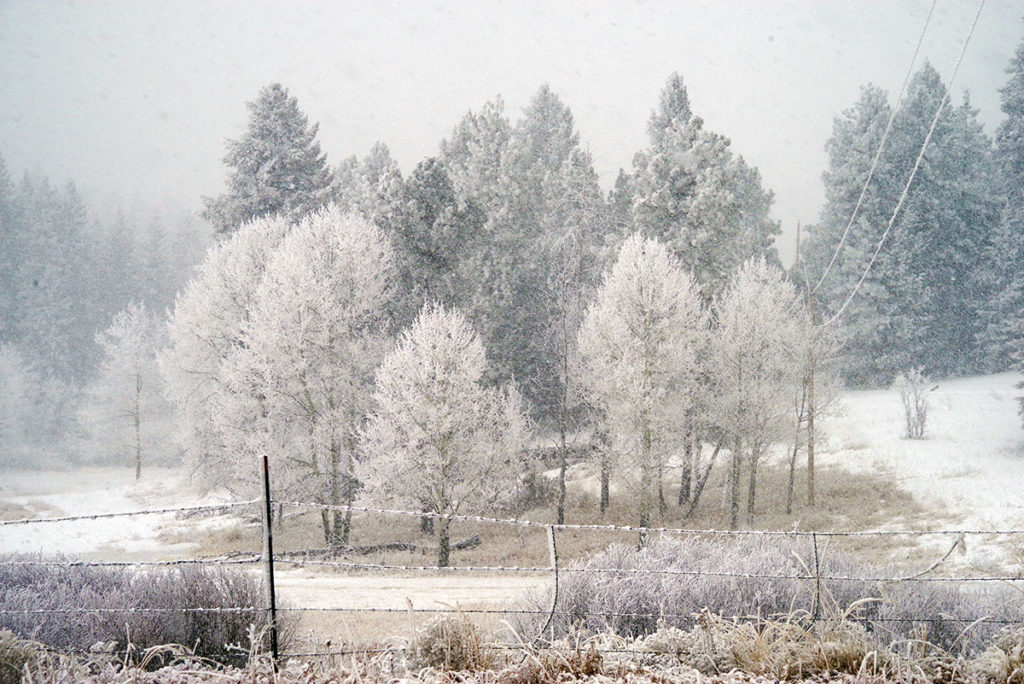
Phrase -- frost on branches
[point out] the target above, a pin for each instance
(125, 412)
(300, 383)
(273, 350)
(638, 343)
(757, 358)
(438, 438)
(208, 320)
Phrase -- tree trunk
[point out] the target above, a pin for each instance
(563, 465)
(752, 489)
(426, 521)
(662, 505)
(686, 474)
(810, 415)
(734, 489)
(605, 477)
(443, 543)
(138, 426)
(702, 480)
(792, 474)
(325, 521)
(334, 478)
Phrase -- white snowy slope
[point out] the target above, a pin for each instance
(969, 468)
(94, 491)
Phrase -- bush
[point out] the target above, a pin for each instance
(636, 591)
(449, 643)
(15, 655)
(71, 591)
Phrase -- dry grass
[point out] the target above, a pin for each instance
(846, 501)
(790, 648)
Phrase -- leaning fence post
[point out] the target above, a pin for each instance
(817, 578)
(268, 560)
(553, 552)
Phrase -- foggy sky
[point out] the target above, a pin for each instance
(138, 97)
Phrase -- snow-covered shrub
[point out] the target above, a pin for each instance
(912, 387)
(1003, 660)
(68, 587)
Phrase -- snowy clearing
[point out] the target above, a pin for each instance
(968, 470)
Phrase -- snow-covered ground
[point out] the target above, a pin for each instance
(98, 490)
(968, 469)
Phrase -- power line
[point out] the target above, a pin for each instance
(913, 172)
(878, 153)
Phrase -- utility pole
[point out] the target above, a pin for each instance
(812, 315)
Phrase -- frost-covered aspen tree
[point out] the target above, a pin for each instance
(125, 411)
(303, 374)
(638, 347)
(438, 437)
(757, 362)
(207, 322)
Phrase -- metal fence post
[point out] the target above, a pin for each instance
(268, 558)
(817, 578)
(553, 553)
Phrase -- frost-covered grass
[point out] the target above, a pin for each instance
(129, 612)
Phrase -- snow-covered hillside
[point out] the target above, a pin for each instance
(969, 468)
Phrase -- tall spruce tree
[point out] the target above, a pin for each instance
(1003, 313)
(276, 167)
(918, 304)
(691, 192)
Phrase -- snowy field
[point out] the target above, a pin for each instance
(969, 470)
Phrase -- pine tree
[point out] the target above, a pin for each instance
(51, 318)
(1003, 313)
(276, 167)
(11, 238)
(835, 258)
(475, 155)
(435, 235)
(692, 193)
(919, 302)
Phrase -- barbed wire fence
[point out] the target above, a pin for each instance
(814, 573)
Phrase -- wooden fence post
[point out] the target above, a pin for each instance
(268, 561)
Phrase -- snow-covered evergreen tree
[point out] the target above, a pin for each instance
(638, 345)
(919, 303)
(439, 438)
(691, 192)
(1002, 315)
(50, 319)
(475, 155)
(275, 168)
(436, 236)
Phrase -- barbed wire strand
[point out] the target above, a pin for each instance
(641, 571)
(250, 560)
(123, 514)
(634, 528)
